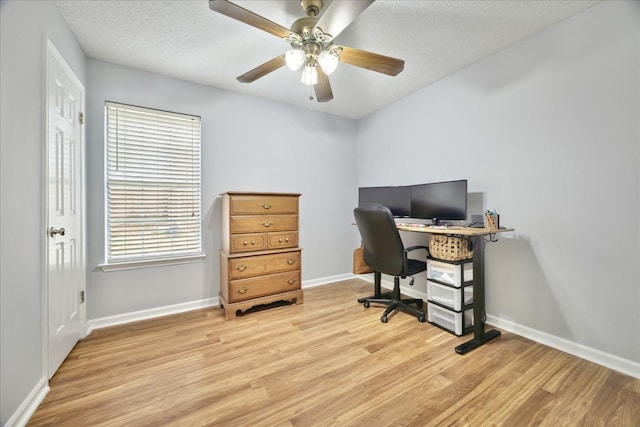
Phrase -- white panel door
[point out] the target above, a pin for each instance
(65, 269)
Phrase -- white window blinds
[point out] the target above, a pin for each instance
(153, 184)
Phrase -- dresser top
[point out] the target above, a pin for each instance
(250, 193)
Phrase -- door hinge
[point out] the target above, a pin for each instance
(81, 297)
(81, 118)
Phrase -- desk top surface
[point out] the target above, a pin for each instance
(460, 231)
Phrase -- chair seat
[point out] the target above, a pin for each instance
(415, 266)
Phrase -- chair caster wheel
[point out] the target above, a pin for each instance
(366, 304)
(422, 319)
(384, 319)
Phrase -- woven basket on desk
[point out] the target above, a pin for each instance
(449, 248)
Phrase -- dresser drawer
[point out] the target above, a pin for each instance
(263, 223)
(263, 264)
(248, 242)
(263, 204)
(283, 240)
(244, 289)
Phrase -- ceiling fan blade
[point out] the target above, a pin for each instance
(243, 15)
(371, 61)
(339, 14)
(323, 87)
(262, 70)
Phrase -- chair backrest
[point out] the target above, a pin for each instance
(383, 248)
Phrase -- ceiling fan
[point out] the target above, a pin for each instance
(311, 39)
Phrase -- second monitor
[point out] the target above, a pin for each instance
(437, 201)
(440, 201)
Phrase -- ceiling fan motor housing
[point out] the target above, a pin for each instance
(304, 26)
(311, 7)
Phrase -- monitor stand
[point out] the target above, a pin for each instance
(437, 222)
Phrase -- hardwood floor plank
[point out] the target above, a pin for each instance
(614, 402)
(327, 362)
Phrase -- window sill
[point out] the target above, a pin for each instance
(145, 263)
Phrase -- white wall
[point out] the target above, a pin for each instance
(548, 131)
(23, 26)
(247, 144)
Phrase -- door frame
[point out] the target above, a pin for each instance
(49, 48)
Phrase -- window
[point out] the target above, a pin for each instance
(152, 185)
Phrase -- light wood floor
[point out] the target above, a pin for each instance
(327, 362)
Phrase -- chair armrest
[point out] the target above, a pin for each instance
(409, 249)
(413, 248)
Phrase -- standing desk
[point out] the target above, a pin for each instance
(477, 236)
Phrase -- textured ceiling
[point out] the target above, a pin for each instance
(186, 40)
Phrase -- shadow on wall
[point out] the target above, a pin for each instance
(475, 205)
(211, 241)
(519, 289)
(211, 220)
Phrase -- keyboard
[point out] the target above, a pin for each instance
(445, 227)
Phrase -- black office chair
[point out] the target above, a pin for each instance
(385, 253)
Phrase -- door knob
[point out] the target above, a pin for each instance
(53, 231)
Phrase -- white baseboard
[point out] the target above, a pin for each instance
(625, 366)
(29, 405)
(135, 316)
(611, 361)
(119, 319)
(326, 280)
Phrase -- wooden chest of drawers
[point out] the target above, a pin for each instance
(260, 261)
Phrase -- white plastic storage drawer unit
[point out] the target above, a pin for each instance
(450, 320)
(454, 274)
(448, 296)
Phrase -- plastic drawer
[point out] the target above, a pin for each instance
(448, 296)
(451, 274)
(450, 320)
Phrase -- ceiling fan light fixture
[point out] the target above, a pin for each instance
(328, 60)
(311, 47)
(295, 58)
(309, 75)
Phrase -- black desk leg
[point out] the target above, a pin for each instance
(479, 335)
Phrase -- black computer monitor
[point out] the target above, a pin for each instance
(397, 199)
(440, 201)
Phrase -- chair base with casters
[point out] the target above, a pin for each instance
(377, 278)
(394, 301)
